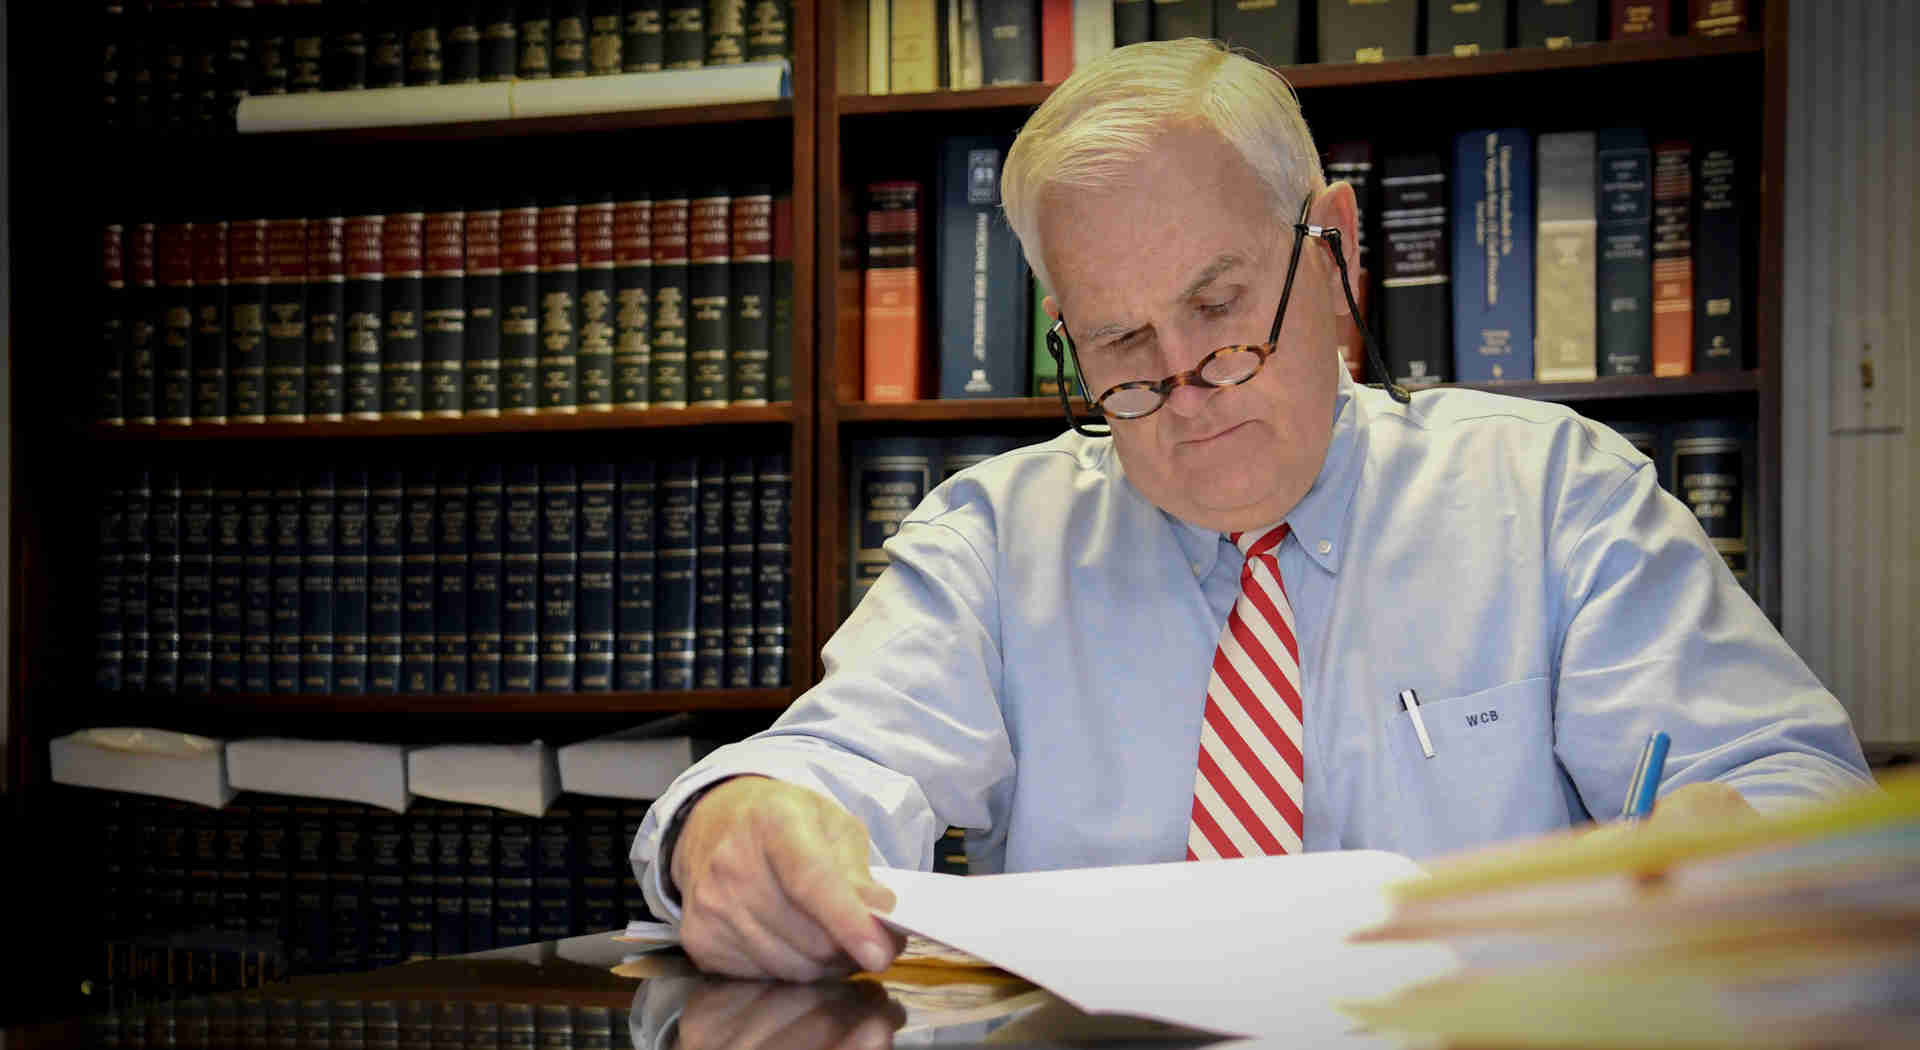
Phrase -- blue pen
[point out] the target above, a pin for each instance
(1646, 778)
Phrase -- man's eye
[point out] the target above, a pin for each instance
(1215, 309)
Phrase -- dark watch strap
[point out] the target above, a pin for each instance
(672, 839)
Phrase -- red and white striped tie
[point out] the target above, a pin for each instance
(1247, 794)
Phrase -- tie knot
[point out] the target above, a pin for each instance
(1259, 541)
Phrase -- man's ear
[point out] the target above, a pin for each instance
(1336, 206)
(1051, 306)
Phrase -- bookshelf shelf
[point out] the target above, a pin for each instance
(620, 419)
(464, 703)
(577, 124)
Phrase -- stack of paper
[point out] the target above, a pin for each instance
(375, 774)
(638, 763)
(147, 761)
(521, 778)
(1796, 930)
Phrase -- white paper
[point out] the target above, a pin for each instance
(712, 85)
(375, 108)
(638, 763)
(521, 778)
(374, 774)
(1242, 947)
(147, 761)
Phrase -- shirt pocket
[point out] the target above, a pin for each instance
(1492, 776)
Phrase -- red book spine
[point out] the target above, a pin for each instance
(1672, 259)
(210, 322)
(1056, 40)
(895, 359)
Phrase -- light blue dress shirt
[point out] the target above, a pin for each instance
(1033, 664)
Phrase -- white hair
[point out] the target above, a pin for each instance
(1109, 115)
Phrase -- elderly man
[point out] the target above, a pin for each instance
(1192, 638)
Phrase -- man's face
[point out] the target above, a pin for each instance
(1156, 274)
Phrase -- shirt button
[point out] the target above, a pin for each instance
(1196, 568)
(1324, 546)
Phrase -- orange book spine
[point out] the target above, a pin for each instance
(1056, 40)
(895, 337)
(1672, 259)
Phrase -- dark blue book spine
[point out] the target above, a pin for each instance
(520, 582)
(326, 318)
(110, 641)
(772, 558)
(481, 385)
(350, 581)
(710, 575)
(366, 314)
(670, 307)
(633, 301)
(634, 613)
(111, 394)
(287, 578)
(487, 500)
(676, 557)
(210, 322)
(1625, 196)
(891, 476)
(203, 867)
(163, 586)
(403, 256)
(146, 320)
(388, 858)
(596, 303)
(1493, 255)
(229, 623)
(135, 554)
(272, 869)
(450, 591)
(287, 320)
(981, 304)
(418, 583)
(481, 858)
(600, 856)
(236, 867)
(1711, 474)
(553, 875)
(559, 582)
(418, 915)
(750, 311)
(513, 881)
(257, 639)
(246, 323)
(709, 298)
(309, 943)
(595, 597)
(386, 580)
(316, 587)
(196, 585)
(1719, 312)
(741, 590)
(520, 308)
(450, 882)
(444, 320)
(348, 915)
(173, 343)
(559, 307)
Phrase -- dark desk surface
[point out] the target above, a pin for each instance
(593, 993)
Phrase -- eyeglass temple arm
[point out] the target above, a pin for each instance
(1056, 335)
(1331, 234)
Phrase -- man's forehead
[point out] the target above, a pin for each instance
(1101, 314)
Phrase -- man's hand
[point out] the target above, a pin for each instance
(774, 882)
(757, 1015)
(1707, 804)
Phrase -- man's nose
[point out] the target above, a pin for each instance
(1182, 354)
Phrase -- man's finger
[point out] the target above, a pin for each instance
(826, 893)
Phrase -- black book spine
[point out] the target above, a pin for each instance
(450, 881)
(1559, 23)
(386, 45)
(365, 311)
(676, 554)
(670, 246)
(481, 858)
(1371, 32)
(135, 556)
(210, 322)
(386, 575)
(772, 558)
(553, 871)
(196, 584)
(269, 49)
(350, 593)
(487, 503)
(520, 581)
(309, 943)
(1270, 30)
(460, 35)
(520, 309)
(634, 611)
(1718, 310)
(326, 318)
(173, 343)
(229, 585)
(1172, 19)
(418, 581)
(741, 585)
(444, 321)
(287, 577)
(347, 914)
(317, 583)
(569, 55)
(499, 40)
(386, 888)
(418, 907)
(110, 641)
(769, 33)
(710, 588)
(1416, 295)
(203, 867)
(450, 597)
(111, 396)
(536, 39)
(750, 287)
(726, 22)
(605, 35)
(709, 299)
(513, 881)
(307, 47)
(146, 322)
(246, 324)
(559, 308)
(426, 44)
(257, 639)
(163, 585)
(595, 240)
(114, 42)
(633, 295)
(481, 382)
(596, 571)
(404, 258)
(780, 339)
(598, 859)
(142, 56)
(272, 869)
(206, 57)
(1624, 203)
(1132, 22)
(170, 74)
(559, 581)
(346, 61)
(287, 321)
(643, 44)
(684, 35)
(1010, 37)
(236, 867)
(1465, 29)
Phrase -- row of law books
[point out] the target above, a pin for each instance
(1709, 465)
(185, 67)
(219, 1022)
(660, 299)
(887, 479)
(926, 45)
(344, 887)
(515, 578)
